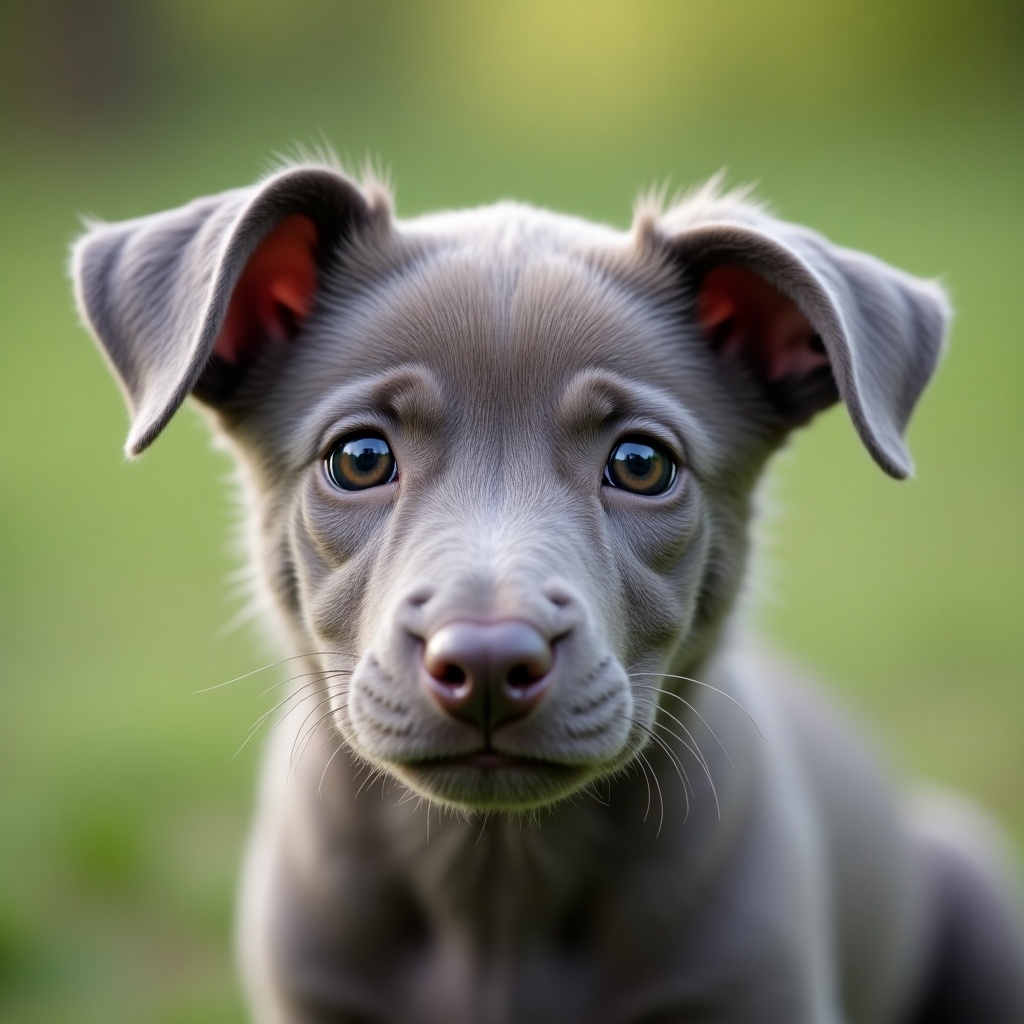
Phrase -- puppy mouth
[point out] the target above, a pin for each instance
(487, 779)
(486, 762)
(486, 759)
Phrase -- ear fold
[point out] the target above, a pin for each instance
(815, 322)
(275, 293)
(746, 319)
(180, 301)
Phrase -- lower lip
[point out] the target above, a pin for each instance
(485, 759)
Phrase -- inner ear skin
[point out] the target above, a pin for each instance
(271, 301)
(275, 292)
(745, 318)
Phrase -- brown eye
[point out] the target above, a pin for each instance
(640, 465)
(356, 463)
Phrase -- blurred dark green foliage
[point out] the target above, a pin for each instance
(897, 128)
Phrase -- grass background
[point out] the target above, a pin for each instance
(894, 127)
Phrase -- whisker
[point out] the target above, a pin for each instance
(254, 728)
(295, 759)
(295, 762)
(312, 711)
(301, 675)
(676, 762)
(364, 766)
(680, 771)
(366, 778)
(661, 799)
(292, 758)
(697, 682)
(658, 707)
(312, 684)
(483, 825)
(700, 761)
(648, 781)
(330, 736)
(323, 774)
(369, 780)
(695, 749)
(280, 704)
(275, 664)
(669, 693)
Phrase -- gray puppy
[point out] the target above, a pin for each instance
(500, 468)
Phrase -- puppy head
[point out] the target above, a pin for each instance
(500, 461)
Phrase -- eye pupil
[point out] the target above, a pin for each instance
(366, 460)
(640, 465)
(361, 462)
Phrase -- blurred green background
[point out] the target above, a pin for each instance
(897, 128)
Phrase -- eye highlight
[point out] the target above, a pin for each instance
(640, 465)
(361, 461)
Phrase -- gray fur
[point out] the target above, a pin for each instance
(502, 351)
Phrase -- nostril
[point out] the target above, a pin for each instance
(419, 597)
(451, 674)
(559, 596)
(520, 676)
(488, 672)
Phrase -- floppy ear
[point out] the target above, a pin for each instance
(814, 322)
(180, 301)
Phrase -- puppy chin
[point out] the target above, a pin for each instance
(491, 781)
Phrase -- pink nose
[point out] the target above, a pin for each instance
(488, 673)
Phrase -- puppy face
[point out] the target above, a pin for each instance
(494, 384)
(500, 462)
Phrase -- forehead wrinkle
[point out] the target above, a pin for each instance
(455, 312)
(568, 312)
(402, 394)
(437, 307)
(593, 397)
(502, 324)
